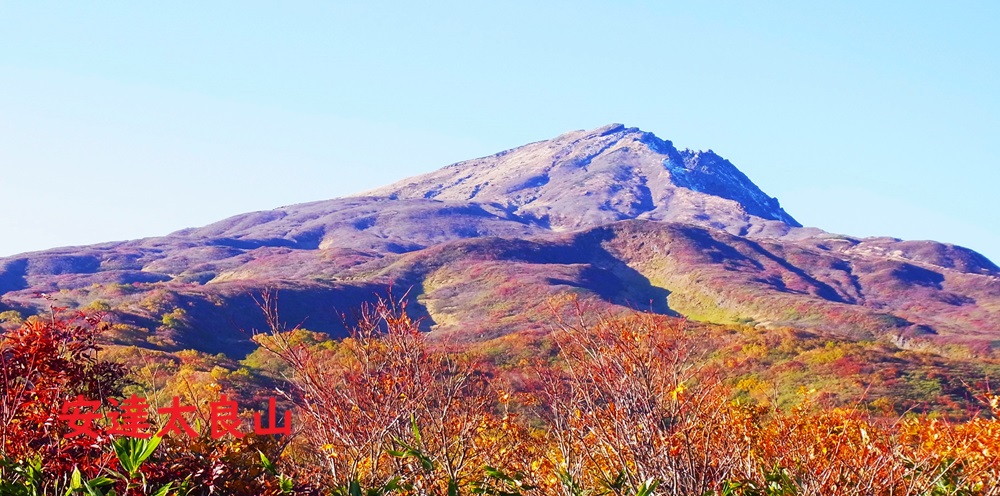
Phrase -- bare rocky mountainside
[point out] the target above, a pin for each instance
(584, 179)
(613, 215)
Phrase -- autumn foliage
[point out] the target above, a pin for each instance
(386, 410)
(636, 404)
(49, 362)
(43, 362)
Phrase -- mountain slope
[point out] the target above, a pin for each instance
(589, 178)
(483, 286)
(614, 215)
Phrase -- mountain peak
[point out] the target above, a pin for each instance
(616, 131)
(590, 177)
(610, 128)
(475, 242)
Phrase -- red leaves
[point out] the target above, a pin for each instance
(43, 364)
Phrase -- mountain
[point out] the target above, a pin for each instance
(589, 178)
(614, 215)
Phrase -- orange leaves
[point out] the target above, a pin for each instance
(626, 401)
(630, 405)
(387, 393)
(968, 451)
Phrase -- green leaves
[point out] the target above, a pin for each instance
(21, 478)
(285, 483)
(413, 451)
(409, 451)
(75, 481)
(163, 490)
(132, 452)
(647, 487)
(498, 483)
(91, 487)
(268, 466)
(495, 482)
(354, 489)
(777, 482)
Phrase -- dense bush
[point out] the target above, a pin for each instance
(630, 405)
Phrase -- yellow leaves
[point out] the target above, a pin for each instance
(678, 391)
(329, 451)
(994, 401)
(630, 403)
(754, 350)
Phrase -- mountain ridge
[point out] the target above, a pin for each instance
(613, 214)
(610, 173)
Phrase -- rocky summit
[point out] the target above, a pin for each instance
(614, 215)
(589, 178)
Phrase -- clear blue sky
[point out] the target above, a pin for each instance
(121, 120)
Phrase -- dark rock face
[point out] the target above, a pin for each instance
(709, 173)
(613, 214)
